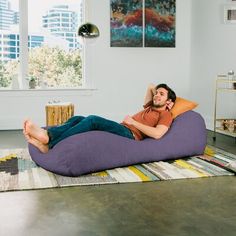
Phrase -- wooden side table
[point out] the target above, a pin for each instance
(58, 113)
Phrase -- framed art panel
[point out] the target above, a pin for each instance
(160, 23)
(126, 23)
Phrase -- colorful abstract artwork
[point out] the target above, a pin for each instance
(138, 23)
(160, 23)
(126, 23)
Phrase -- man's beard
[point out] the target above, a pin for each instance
(158, 105)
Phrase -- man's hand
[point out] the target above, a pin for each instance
(129, 120)
(152, 89)
(170, 104)
(153, 132)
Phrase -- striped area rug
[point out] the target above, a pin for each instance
(19, 172)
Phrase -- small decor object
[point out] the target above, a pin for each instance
(230, 13)
(231, 75)
(234, 85)
(32, 82)
(223, 124)
(58, 113)
(230, 78)
(229, 124)
(88, 30)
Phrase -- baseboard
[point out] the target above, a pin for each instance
(16, 122)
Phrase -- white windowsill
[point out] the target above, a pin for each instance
(50, 91)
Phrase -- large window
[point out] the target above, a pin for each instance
(9, 41)
(38, 53)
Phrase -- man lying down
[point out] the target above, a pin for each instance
(153, 121)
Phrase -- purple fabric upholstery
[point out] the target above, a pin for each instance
(97, 150)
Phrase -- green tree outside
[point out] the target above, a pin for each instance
(7, 71)
(53, 67)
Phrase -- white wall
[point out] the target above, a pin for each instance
(213, 52)
(119, 74)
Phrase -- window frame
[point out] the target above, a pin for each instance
(24, 54)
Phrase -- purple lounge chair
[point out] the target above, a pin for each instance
(97, 150)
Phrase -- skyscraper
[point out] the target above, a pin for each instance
(8, 17)
(62, 22)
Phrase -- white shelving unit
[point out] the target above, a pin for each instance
(223, 84)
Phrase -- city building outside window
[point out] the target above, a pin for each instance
(53, 55)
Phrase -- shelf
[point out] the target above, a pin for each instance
(227, 89)
(222, 76)
(220, 130)
(223, 84)
(220, 119)
(226, 80)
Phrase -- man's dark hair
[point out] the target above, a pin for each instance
(171, 94)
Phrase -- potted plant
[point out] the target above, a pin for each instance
(32, 82)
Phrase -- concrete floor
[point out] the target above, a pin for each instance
(201, 207)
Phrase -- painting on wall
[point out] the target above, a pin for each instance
(134, 26)
(126, 23)
(160, 23)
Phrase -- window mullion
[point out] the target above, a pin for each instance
(23, 27)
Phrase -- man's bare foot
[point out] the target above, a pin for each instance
(36, 132)
(27, 137)
(42, 147)
(24, 126)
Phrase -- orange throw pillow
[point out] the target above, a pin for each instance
(182, 105)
